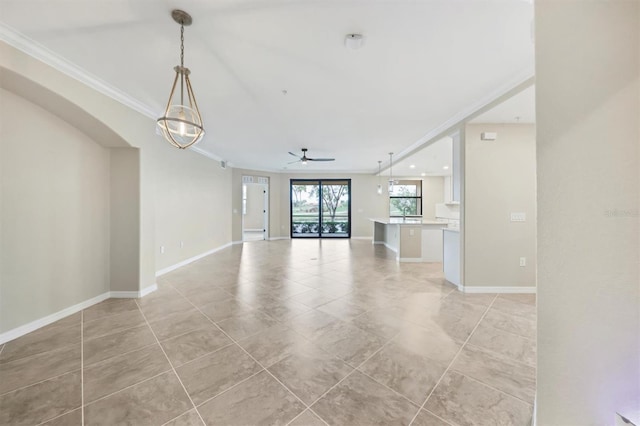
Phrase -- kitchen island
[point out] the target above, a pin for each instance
(413, 239)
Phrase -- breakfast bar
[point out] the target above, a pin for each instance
(413, 239)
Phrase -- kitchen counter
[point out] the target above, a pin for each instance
(407, 221)
(413, 239)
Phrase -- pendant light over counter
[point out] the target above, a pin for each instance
(391, 180)
(181, 124)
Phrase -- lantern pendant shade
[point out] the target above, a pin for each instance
(181, 124)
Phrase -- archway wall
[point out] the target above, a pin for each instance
(152, 195)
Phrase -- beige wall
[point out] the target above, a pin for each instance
(181, 196)
(365, 201)
(192, 199)
(124, 219)
(432, 194)
(588, 109)
(54, 217)
(500, 178)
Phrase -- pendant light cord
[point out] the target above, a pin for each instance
(181, 64)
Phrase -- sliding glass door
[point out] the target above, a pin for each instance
(320, 208)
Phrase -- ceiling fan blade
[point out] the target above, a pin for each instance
(295, 155)
(321, 159)
(297, 161)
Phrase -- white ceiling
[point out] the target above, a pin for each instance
(433, 160)
(424, 62)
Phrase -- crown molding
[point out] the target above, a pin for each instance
(45, 55)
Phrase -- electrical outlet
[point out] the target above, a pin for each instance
(523, 261)
(411, 232)
(161, 249)
(518, 217)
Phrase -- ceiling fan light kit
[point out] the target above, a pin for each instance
(181, 125)
(391, 180)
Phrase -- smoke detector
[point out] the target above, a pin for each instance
(354, 41)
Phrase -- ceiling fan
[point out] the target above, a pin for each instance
(304, 157)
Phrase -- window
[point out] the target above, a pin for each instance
(320, 208)
(405, 199)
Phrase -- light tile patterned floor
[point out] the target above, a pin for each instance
(302, 332)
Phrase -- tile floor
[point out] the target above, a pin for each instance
(302, 332)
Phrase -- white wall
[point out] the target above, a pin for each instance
(588, 109)
(54, 221)
(500, 178)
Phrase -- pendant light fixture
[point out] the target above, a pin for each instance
(181, 124)
(379, 171)
(391, 181)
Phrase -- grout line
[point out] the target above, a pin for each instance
(392, 390)
(230, 388)
(102, 361)
(203, 355)
(254, 359)
(127, 387)
(169, 361)
(38, 382)
(82, 366)
(437, 417)
(453, 360)
(25, 358)
(501, 356)
(58, 416)
(494, 388)
(350, 373)
(511, 332)
(115, 332)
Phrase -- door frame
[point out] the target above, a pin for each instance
(248, 180)
(319, 181)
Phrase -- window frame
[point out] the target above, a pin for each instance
(418, 197)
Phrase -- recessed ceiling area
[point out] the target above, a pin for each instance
(436, 158)
(433, 160)
(272, 77)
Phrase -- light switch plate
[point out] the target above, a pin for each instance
(518, 217)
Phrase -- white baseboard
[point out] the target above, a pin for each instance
(194, 258)
(279, 238)
(253, 230)
(133, 294)
(49, 319)
(362, 238)
(39, 323)
(513, 290)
